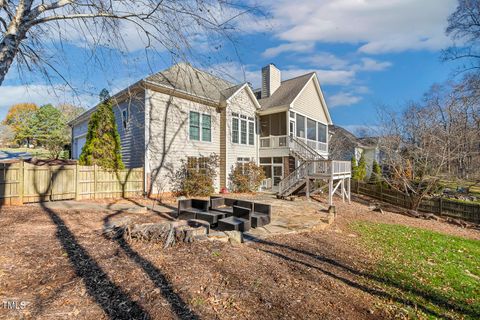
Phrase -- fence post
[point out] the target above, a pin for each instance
(95, 181)
(77, 182)
(21, 180)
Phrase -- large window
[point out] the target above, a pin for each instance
(243, 129)
(194, 126)
(311, 129)
(206, 127)
(322, 133)
(251, 133)
(200, 121)
(235, 133)
(300, 126)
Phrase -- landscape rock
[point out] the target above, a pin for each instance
(218, 236)
(234, 237)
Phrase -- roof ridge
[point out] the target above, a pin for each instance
(303, 75)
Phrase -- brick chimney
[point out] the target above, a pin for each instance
(271, 79)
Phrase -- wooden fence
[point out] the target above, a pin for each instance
(24, 183)
(440, 206)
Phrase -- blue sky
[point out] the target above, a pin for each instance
(366, 53)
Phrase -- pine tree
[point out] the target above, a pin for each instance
(362, 168)
(376, 175)
(103, 141)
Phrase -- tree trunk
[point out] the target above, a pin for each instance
(8, 49)
(16, 32)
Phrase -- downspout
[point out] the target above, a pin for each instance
(146, 135)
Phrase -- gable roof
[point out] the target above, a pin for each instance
(344, 134)
(183, 77)
(286, 93)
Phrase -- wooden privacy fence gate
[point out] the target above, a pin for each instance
(440, 206)
(23, 182)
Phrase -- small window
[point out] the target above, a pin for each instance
(251, 133)
(277, 160)
(243, 132)
(206, 128)
(198, 164)
(242, 162)
(235, 130)
(125, 118)
(194, 126)
(265, 160)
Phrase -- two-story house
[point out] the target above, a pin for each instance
(186, 114)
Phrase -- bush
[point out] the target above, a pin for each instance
(246, 177)
(195, 177)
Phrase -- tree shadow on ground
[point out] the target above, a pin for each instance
(341, 267)
(115, 303)
(177, 304)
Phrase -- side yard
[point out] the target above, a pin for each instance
(57, 260)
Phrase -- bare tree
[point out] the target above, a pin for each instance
(414, 151)
(464, 29)
(29, 27)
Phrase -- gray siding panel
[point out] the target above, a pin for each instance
(133, 136)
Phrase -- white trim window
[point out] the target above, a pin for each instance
(200, 127)
(242, 162)
(243, 129)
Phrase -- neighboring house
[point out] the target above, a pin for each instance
(344, 145)
(183, 113)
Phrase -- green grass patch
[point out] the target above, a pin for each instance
(437, 274)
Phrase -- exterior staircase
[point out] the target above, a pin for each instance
(297, 179)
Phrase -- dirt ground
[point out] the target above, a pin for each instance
(59, 264)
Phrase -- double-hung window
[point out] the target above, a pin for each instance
(243, 129)
(200, 127)
(235, 127)
(251, 131)
(206, 128)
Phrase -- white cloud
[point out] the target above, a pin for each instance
(326, 60)
(343, 99)
(41, 94)
(288, 47)
(378, 26)
(368, 64)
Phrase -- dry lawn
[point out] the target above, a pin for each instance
(59, 263)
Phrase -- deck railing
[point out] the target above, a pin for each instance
(313, 168)
(271, 142)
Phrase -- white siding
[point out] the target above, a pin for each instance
(168, 132)
(240, 103)
(308, 103)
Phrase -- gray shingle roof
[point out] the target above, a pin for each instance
(342, 133)
(286, 93)
(184, 77)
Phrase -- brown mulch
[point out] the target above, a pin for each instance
(61, 264)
